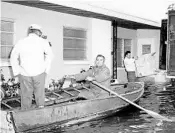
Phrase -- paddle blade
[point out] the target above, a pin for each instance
(158, 116)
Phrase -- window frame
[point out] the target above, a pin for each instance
(6, 61)
(86, 61)
(144, 50)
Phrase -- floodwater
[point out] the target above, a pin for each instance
(158, 98)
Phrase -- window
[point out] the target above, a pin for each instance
(146, 49)
(74, 44)
(6, 35)
(123, 45)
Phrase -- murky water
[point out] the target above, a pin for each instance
(158, 98)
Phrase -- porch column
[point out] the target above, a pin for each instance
(114, 52)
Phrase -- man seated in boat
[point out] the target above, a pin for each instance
(100, 73)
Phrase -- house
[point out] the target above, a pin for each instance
(78, 32)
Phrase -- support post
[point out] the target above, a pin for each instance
(114, 52)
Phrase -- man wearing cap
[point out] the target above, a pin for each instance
(31, 59)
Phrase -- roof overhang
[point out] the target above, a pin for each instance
(123, 20)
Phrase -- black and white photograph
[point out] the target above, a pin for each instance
(87, 66)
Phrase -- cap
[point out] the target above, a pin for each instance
(35, 26)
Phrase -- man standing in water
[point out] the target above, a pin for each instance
(100, 73)
(31, 59)
(130, 67)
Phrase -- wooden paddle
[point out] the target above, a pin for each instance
(152, 113)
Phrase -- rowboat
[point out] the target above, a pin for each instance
(64, 107)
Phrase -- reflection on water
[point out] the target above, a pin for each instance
(158, 98)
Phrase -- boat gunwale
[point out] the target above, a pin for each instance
(84, 101)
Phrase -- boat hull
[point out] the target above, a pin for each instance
(71, 112)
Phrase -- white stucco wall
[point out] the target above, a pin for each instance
(52, 25)
(154, 37)
(98, 33)
(101, 40)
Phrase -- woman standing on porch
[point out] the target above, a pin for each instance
(130, 67)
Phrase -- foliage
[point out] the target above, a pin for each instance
(10, 88)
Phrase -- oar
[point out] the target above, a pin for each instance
(152, 113)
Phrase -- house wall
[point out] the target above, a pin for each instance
(101, 40)
(129, 34)
(98, 33)
(150, 36)
(52, 25)
(126, 34)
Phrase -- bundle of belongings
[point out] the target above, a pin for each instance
(146, 65)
